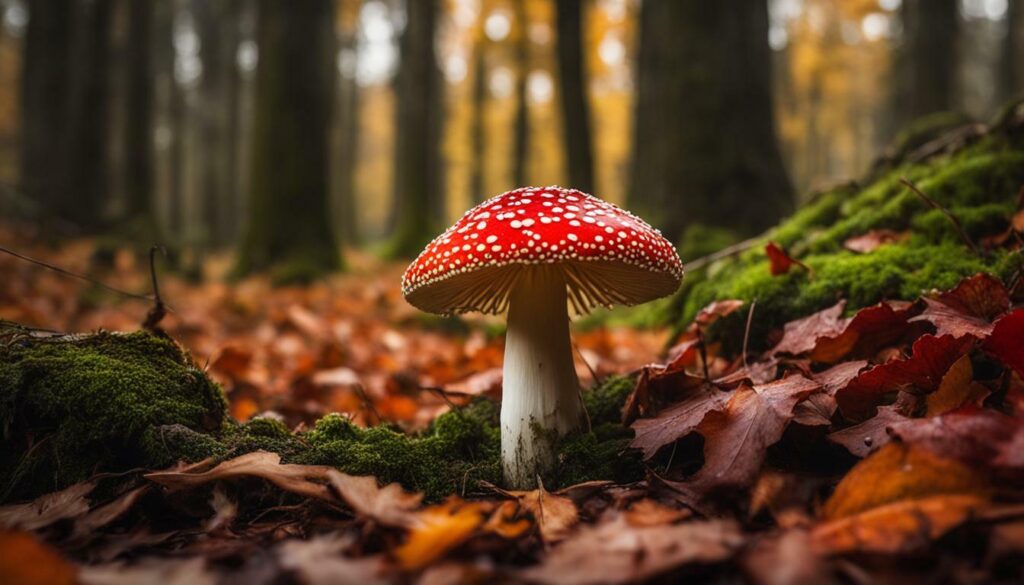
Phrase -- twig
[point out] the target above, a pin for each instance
(60, 270)
(723, 253)
(593, 374)
(746, 331)
(159, 310)
(949, 215)
(703, 354)
(444, 396)
(367, 403)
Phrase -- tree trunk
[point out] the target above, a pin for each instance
(289, 230)
(521, 131)
(45, 89)
(138, 127)
(704, 146)
(419, 197)
(928, 58)
(573, 94)
(348, 139)
(1011, 60)
(87, 134)
(478, 126)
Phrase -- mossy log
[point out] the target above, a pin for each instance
(72, 406)
(973, 171)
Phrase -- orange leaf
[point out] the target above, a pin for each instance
(439, 529)
(26, 561)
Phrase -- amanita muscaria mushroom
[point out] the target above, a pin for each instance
(533, 252)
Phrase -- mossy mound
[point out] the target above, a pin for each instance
(74, 405)
(977, 178)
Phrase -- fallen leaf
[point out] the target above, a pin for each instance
(504, 521)
(648, 512)
(902, 526)
(555, 515)
(24, 560)
(99, 517)
(1005, 341)
(978, 436)
(656, 385)
(872, 240)
(616, 552)
(898, 472)
(800, 336)
(677, 420)
(193, 571)
(437, 530)
(736, 439)
(930, 360)
(297, 479)
(956, 389)
(818, 409)
(46, 510)
(866, 437)
(898, 499)
(716, 310)
(870, 329)
(780, 261)
(320, 561)
(390, 505)
(785, 558)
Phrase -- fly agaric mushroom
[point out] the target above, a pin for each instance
(533, 252)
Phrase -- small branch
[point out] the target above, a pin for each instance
(949, 215)
(367, 403)
(746, 331)
(159, 310)
(64, 272)
(703, 354)
(723, 253)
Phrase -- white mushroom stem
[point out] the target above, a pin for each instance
(540, 392)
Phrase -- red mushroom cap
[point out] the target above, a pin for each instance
(607, 255)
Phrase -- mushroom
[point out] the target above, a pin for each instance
(534, 252)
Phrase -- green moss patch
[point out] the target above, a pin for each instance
(978, 182)
(74, 406)
(71, 406)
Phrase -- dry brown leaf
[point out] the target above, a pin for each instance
(45, 510)
(24, 560)
(437, 530)
(956, 389)
(555, 515)
(297, 479)
(390, 505)
(648, 512)
(616, 552)
(107, 513)
(319, 561)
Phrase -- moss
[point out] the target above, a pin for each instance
(977, 183)
(110, 402)
(72, 405)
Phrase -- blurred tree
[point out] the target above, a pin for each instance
(45, 91)
(289, 230)
(419, 203)
(573, 94)
(87, 133)
(478, 125)
(521, 130)
(927, 59)
(347, 113)
(138, 127)
(1011, 60)
(705, 148)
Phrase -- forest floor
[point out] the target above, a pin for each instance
(751, 467)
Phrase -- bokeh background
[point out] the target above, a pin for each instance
(280, 132)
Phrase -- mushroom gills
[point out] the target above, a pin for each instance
(540, 395)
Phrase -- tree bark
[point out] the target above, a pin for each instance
(348, 143)
(419, 210)
(573, 94)
(138, 128)
(521, 130)
(927, 61)
(1011, 60)
(45, 90)
(88, 130)
(289, 230)
(704, 145)
(478, 126)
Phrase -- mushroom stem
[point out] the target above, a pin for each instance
(540, 392)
